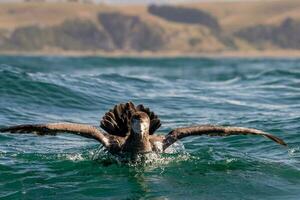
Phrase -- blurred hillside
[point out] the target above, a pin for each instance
(194, 28)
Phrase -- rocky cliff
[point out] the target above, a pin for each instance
(286, 35)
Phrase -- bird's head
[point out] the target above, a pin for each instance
(140, 123)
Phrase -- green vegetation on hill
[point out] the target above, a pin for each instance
(185, 15)
(70, 35)
(131, 33)
(286, 35)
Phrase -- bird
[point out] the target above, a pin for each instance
(130, 129)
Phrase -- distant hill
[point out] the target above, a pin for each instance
(131, 33)
(199, 28)
(286, 35)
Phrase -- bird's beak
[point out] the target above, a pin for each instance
(140, 127)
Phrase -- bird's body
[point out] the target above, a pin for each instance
(130, 130)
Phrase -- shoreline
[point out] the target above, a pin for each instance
(230, 54)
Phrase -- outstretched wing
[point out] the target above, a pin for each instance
(116, 121)
(54, 128)
(213, 130)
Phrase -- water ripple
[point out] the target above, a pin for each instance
(257, 93)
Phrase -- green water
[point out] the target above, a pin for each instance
(257, 93)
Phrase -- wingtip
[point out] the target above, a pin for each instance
(281, 142)
(284, 144)
(276, 139)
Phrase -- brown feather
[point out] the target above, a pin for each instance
(120, 116)
(214, 130)
(154, 125)
(54, 128)
(108, 125)
(111, 114)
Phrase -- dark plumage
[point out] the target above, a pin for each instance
(116, 121)
(130, 129)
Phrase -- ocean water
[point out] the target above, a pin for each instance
(257, 93)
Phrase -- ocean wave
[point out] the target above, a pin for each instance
(281, 73)
(262, 94)
(19, 85)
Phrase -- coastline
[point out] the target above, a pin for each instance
(118, 54)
